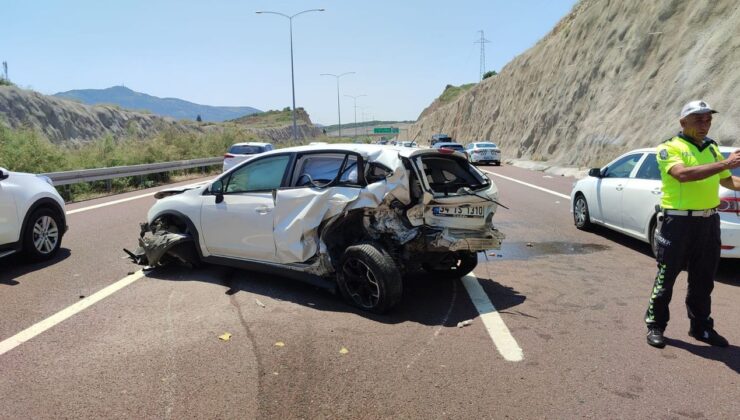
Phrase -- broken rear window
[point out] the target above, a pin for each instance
(447, 174)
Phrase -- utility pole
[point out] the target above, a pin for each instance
(482, 41)
(354, 97)
(5, 71)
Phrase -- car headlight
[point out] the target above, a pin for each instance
(47, 179)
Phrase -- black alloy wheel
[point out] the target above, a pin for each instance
(369, 278)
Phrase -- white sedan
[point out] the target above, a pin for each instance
(623, 194)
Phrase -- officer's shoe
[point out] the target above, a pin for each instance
(655, 337)
(709, 336)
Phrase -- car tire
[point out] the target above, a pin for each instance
(652, 233)
(452, 265)
(42, 236)
(369, 278)
(581, 216)
(497, 163)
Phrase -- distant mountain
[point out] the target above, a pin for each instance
(166, 107)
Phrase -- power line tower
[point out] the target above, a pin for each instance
(482, 41)
(5, 70)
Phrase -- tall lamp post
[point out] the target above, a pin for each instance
(339, 113)
(355, 99)
(292, 77)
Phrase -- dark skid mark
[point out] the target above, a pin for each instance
(527, 250)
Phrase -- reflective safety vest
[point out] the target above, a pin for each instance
(693, 195)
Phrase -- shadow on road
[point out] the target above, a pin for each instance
(728, 355)
(728, 271)
(16, 266)
(426, 300)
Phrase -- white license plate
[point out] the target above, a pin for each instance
(459, 211)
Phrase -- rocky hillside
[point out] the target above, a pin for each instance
(63, 120)
(611, 76)
(66, 121)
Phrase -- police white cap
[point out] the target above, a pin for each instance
(696, 107)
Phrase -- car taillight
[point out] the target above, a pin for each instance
(446, 150)
(729, 205)
(476, 151)
(228, 155)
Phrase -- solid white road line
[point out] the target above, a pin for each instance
(123, 200)
(38, 328)
(500, 334)
(529, 185)
(110, 203)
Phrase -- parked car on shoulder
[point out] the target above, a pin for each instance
(623, 195)
(239, 152)
(349, 217)
(409, 144)
(484, 152)
(32, 215)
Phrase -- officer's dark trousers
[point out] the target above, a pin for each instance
(691, 243)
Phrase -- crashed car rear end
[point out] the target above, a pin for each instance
(352, 217)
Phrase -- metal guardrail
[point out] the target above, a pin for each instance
(100, 174)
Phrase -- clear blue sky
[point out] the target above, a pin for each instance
(219, 52)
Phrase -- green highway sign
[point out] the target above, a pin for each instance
(385, 130)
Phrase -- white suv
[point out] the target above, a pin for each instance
(350, 216)
(31, 215)
(239, 152)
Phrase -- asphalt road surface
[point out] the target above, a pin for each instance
(568, 304)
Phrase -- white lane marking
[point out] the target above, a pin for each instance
(500, 334)
(110, 203)
(123, 200)
(529, 185)
(38, 328)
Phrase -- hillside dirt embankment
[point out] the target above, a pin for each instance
(65, 121)
(611, 76)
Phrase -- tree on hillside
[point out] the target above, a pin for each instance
(198, 118)
(488, 74)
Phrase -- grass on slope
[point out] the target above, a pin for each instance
(453, 92)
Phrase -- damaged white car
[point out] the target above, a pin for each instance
(348, 216)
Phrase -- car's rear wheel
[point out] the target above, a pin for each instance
(452, 265)
(581, 217)
(369, 278)
(42, 237)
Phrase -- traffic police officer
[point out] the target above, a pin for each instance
(691, 168)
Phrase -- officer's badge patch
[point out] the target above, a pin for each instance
(663, 154)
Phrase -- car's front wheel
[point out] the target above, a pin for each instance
(369, 278)
(653, 233)
(452, 265)
(581, 217)
(42, 237)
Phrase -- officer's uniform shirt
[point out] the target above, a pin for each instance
(694, 195)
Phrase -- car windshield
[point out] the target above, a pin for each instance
(245, 149)
(735, 171)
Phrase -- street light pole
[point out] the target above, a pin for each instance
(292, 74)
(355, 99)
(339, 112)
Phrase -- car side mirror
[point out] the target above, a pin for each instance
(4, 174)
(217, 189)
(595, 172)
